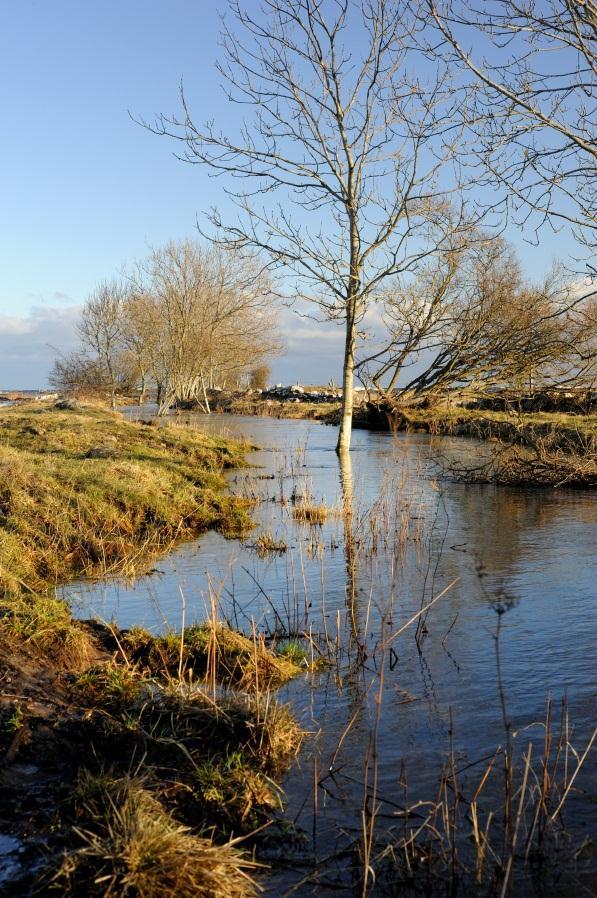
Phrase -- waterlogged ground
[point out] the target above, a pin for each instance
(388, 709)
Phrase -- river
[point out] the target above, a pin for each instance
(398, 535)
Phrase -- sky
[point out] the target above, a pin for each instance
(85, 190)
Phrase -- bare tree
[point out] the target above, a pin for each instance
(343, 154)
(102, 329)
(78, 374)
(533, 104)
(471, 319)
(205, 314)
(139, 337)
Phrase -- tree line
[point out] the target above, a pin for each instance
(185, 320)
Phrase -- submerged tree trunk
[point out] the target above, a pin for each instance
(112, 388)
(205, 399)
(345, 433)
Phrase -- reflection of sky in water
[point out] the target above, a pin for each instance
(538, 546)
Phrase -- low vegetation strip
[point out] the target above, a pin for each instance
(170, 760)
(534, 448)
(537, 449)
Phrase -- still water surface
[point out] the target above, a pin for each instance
(397, 536)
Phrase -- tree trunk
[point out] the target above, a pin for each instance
(344, 435)
(112, 384)
(143, 389)
(206, 400)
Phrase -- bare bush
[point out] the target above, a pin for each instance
(470, 319)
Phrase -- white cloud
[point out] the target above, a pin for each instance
(29, 344)
(314, 350)
(11, 324)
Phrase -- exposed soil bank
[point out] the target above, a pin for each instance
(84, 744)
(128, 762)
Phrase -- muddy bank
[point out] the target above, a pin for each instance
(96, 749)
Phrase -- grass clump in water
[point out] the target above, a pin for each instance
(295, 652)
(213, 652)
(127, 844)
(267, 544)
(309, 512)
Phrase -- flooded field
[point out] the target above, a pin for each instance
(445, 615)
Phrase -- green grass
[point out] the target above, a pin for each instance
(211, 652)
(218, 751)
(64, 514)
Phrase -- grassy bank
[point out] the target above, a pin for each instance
(130, 763)
(545, 449)
(83, 492)
(569, 431)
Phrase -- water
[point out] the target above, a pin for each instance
(397, 537)
(10, 849)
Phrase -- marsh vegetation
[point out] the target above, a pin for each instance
(421, 612)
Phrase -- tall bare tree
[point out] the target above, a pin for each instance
(343, 160)
(205, 314)
(101, 329)
(532, 65)
(139, 337)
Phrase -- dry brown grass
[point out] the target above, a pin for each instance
(306, 511)
(211, 652)
(127, 844)
(491, 826)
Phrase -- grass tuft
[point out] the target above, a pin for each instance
(127, 844)
(308, 512)
(267, 544)
(213, 652)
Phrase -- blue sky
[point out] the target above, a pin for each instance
(84, 190)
